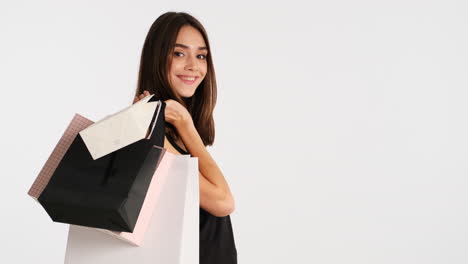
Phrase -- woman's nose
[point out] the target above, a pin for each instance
(191, 63)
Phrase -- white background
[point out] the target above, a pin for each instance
(341, 126)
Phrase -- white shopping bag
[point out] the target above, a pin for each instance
(120, 129)
(173, 233)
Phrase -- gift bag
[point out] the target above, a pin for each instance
(107, 192)
(173, 233)
(122, 128)
(157, 185)
(77, 124)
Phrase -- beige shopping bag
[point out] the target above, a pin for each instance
(120, 129)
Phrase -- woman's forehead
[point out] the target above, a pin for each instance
(189, 37)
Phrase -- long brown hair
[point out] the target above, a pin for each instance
(156, 58)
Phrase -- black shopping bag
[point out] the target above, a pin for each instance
(107, 192)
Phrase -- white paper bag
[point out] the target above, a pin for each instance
(172, 236)
(120, 129)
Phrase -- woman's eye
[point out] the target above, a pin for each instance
(177, 54)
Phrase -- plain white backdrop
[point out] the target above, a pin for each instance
(341, 126)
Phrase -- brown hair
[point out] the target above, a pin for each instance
(156, 58)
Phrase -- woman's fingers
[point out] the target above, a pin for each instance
(141, 96)
(144, 94)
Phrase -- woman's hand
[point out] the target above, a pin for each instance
(175, 113)
(141, 96)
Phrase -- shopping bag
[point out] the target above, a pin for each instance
(120, 129)
(173, 233)
(77, 124)
(108, 192)
(152, 196)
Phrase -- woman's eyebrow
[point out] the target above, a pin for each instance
(186, 47)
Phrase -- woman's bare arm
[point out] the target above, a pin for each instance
(215, 195)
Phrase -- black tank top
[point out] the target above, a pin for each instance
(216, 236)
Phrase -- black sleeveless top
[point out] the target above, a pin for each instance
(217, 244)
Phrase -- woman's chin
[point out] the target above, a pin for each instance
(184, 91)
(187, 94)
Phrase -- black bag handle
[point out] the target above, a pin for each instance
(156, 136)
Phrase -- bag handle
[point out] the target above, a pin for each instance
(156, 136)
(157, 125)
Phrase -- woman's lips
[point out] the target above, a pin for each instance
(187, 81)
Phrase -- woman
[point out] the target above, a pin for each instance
(176, 66)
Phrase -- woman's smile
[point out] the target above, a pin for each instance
(187, 79)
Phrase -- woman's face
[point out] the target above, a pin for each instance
(189, 65)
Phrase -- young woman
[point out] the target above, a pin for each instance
(176, 66)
